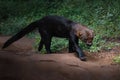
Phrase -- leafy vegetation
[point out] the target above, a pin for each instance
(57, 44)
(103, 16)
(116, 59)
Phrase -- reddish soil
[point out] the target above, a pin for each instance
(20, 62)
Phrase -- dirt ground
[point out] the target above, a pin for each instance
(20, 62)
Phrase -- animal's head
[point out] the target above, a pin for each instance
(84, 34)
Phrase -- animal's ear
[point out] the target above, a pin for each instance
(78, 34)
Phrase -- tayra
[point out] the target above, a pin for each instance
(57, 26)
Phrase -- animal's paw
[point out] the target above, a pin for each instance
(83, 58)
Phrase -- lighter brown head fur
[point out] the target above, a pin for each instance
(83, 33)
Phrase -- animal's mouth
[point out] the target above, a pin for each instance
(89, 44)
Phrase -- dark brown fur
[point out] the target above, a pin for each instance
(57, 26)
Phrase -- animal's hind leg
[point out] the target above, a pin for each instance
(46, 40)
(40, 45)
(47, 43)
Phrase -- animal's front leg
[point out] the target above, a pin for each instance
(77, 48)
(71, 45)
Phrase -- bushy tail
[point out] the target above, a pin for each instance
(20, 34)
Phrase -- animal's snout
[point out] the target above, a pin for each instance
(89, 44)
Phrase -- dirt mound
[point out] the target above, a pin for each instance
(20, 62)
(24, 44)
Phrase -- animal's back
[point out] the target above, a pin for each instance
(56, 20)
(56, 25)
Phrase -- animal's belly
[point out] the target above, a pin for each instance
(62, 35)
